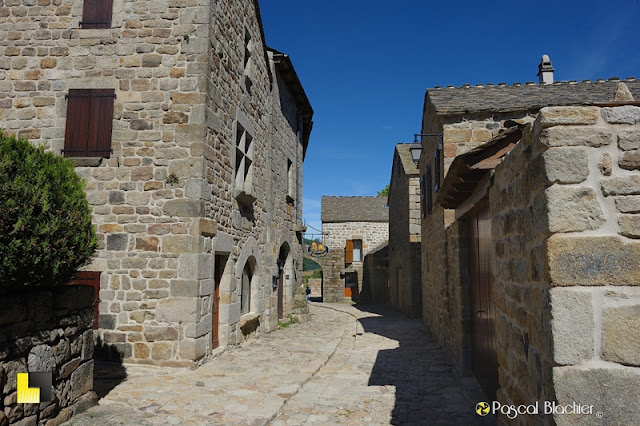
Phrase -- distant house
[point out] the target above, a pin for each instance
(352, 227)
(528, 245)
(405, 288)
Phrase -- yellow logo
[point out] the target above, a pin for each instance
(41, 390)
(482, 408)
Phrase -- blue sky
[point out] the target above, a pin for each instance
(365, 66)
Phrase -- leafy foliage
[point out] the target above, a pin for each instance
(384, 192)
(309, 265)
(45, 220)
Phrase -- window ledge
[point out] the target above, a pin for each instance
(245, 197)
(249, 323)
(86, 161)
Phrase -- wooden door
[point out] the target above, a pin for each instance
(483, 335)
(215, 306)
(281, 296)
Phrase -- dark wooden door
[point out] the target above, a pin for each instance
(215, 306)
(483, 335)
(281, 296)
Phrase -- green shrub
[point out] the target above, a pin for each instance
(45, 220)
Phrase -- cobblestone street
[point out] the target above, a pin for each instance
(346, 366)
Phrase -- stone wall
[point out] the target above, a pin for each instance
(404, 241)
(565, 228)
(47, 330)
(445, 286)
(166, 201)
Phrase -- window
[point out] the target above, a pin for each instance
(248, 61)
(353, 251)
(96, 14)
(245, 290)
(89, 123)
(357, 250)
(290, 182)
(244, 160)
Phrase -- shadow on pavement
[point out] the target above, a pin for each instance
(108, 370)
(429, 389)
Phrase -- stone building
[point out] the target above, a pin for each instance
(405, 289)
(529, 240)
(352, 227)
(191, 135)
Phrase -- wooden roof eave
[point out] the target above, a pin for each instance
(467, 170)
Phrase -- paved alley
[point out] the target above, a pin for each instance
(346, 366)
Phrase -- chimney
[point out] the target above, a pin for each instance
(545, 70)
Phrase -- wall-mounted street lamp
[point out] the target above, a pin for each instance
(416, 150)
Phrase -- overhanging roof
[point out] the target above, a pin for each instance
(468, 169)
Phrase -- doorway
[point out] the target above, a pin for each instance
(219, 263)
(484, 358)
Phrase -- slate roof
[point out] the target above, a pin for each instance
(409, 166)
(354, 209)
(522, 97)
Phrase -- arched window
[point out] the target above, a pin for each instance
(245, 289)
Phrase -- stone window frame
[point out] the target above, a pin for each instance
(290, 182)
(243, 183)
(248, 63)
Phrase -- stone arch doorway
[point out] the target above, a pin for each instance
(285, 271)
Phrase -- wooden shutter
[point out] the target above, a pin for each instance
(76, 132)
(437, 170)
(423, 206)
(348, 254)
(100, 123)
(89, 123)
(96, 14)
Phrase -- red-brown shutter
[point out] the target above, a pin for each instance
(348, 254)
(97, 14)
(100, 123)
(90, 278)
(76, 132)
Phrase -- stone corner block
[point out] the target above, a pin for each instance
(627, 114)
(620, 331)
(613, 391)
(566, 165)
(193, 349)
(559, 115)
(591, 136)
(572, 325)
(178, 309)
(208, 227)
(568, 209)
(181, 244)
(592, 261)
(184, 207)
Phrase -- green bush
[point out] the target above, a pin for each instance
(45, 220)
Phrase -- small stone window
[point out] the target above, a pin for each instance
(89, 123)
(244, 161)
(247, 74)
(245, 289)
(96, 14)
(353, 251)
(291, 182)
